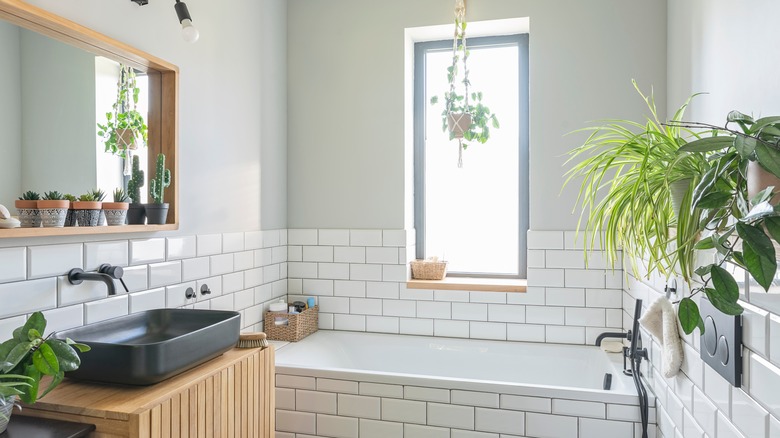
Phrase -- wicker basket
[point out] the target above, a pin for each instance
(299, 325)
(428, 270)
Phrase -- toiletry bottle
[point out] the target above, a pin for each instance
(280, 312)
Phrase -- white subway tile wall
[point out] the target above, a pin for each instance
(699, 402)
(314, 406)
(360, 276)
(232, 266)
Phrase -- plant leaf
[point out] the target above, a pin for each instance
(724, 284)
(755, 237)
(706, 243)
(722, 304)
(45, 360)
(772, 225)
(688, 312)
(768, 158)
(714, 200)
(745, 145)
(68, 358)
(704, 270)
(761, 268)
(708, 144)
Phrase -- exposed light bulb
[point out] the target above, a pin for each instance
(188, 31)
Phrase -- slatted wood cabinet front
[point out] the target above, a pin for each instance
(230, 396)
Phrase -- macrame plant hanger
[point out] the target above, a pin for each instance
(459, 34)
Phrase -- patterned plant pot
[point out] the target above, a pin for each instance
(115, 213)
(53, 213)
(6, 408)
(28, 213)
(70, 218)
(87, 213)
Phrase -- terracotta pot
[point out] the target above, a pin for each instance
(116, 213)
(758, 179)
(87, 205)
(29, 215)
(458, 123)
(157, 214)
(53, 213)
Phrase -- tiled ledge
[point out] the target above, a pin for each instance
(471, 284)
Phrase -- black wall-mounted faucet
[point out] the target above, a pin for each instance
(106, 273)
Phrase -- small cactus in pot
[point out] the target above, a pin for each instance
(136, 214)
(157, 211)
(27, 205)
(116, 212)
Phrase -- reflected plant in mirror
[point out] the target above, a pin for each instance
(125, 126)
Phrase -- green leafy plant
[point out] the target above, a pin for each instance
(161, 181)
(627, 170)
(98, 194)
(455, 103)
(53, 196)
(120, 195)
(87, 197)
(136, 181)
(69, 197)
(741, 228)
(28, 356)
(124, 116)
(30, 196)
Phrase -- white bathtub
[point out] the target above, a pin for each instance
(368, 383)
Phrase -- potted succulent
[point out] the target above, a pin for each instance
(99, 196)
(87, 210)
(628, 172)
(27, 206)
(157, 211)
(70, 217)
(116, 212)
(464, 115)
(125, 127)
(26, 358)
(136, 214)
(53, 209)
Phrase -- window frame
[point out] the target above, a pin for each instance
(420, 112)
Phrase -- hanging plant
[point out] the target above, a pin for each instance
(464, 116)
(124, 126)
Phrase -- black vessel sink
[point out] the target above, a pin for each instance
(149, 347)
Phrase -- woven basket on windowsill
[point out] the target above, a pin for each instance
(428, 270)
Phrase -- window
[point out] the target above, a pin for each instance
(475, 217)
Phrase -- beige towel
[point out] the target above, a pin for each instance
(660, 320)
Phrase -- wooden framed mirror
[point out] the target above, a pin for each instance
(162, 83)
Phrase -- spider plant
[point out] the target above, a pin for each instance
(627, 170)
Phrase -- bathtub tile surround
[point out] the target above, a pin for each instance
(359, 278)
(245, 271)
(699, 401)
(389, 410)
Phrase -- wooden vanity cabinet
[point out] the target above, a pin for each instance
(229, 396)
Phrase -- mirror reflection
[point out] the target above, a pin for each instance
(52, 98)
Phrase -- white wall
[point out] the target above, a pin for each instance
(726, 49)
(10, 117)
(346, 96)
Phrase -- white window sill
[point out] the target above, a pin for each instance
(471, 284)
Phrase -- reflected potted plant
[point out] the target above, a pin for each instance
(136, 214)
(157, 211)
(27, 206)
(87, 210)
(125, 127)
(26, 358)
(53, 209)
(464, 115)
(116, 212)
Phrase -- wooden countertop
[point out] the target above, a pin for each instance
(118, 402)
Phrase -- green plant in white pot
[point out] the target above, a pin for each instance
(27, 358)
(627, 171)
